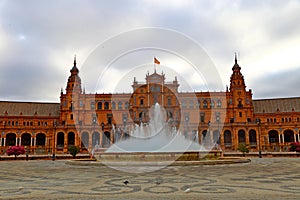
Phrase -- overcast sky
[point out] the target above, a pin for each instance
(38, 40)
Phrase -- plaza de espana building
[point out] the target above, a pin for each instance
(87, 120)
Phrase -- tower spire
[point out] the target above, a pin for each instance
(235, 57)
(75, 60)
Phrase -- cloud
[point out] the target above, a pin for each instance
(38, 40)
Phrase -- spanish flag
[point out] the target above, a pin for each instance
(156, 61)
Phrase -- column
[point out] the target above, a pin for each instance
(297, 135)
(279, 137)
(17, 141)
(1, 141)
(90, 142)
(282, 135)
(101, 138)
(4, 141)
(32, 141)
(247, 137)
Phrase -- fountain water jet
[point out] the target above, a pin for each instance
(157, 136)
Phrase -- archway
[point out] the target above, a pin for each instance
(273, 136)
(40, 139)
(25, 139)
(60, 140)
(204, 135)
(288, 136)
(85, 140)
(227, 138)
(216, 137)
(252, 137)
(106, 139)
(95, 139)
(71, 138)
(10, 139)
(241, 137)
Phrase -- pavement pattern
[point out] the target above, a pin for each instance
(265, 178)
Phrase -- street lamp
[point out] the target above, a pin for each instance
(259, 149)
(54, 140)
(218, 120)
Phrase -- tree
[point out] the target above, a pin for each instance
(243, 148)
(15, 150)
(73, 150)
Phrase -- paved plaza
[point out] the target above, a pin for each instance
(266, 178)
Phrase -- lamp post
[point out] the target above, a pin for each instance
(54, 140)
(259, 148)
(218, 120)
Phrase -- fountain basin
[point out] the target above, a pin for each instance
(157, 156)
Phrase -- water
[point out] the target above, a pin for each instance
(157, 136)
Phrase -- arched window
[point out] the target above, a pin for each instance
(99, 105)
(92, 105)
(113, 105)
(204, 104)
(106, 106)
(126, 105)
(120, 106)
(212, 104)
(219, 103)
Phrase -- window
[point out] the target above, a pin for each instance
(106, 106)
(212, 104)
(183, 104)
(191, 104)
(204, 104)
(169, 101)
(240, 114)
(240, 105)
(92, 105)
(202, 116)
(219, 104)
(199, 103)
(99, 105)
(80, 103)
(120, 106)
(126, 105)
(141, 101)
(71, 116)
(113, 105)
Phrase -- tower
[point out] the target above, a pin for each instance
(74, 81)
(240, 100)
(70, 101)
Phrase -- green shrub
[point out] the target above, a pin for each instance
(73, 150)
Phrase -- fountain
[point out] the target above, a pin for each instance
(156, 145)
(155, 141)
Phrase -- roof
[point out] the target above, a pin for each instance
(11, 108)
(277, 105)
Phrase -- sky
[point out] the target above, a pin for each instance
(38, 41)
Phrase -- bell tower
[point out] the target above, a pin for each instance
(240, 100)
(74, 81)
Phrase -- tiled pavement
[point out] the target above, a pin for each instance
(266, 178)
